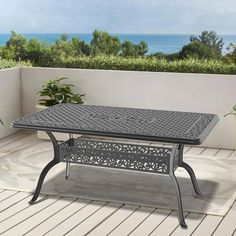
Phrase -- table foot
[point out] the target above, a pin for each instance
(190, 171)
(41, 179)
(31, 202)
(183, 225)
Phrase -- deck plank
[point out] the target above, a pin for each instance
(15, 209)
(223, 154)
(168, 225)
(23, 227)
(228, 224)
(207, 226)
(151, 222)
(20, 144)
(192, 220)
(7, 194)
(186, 148)
(232, 155)
(132, 222)
(25, 214)
(113, 221)
(13, 137)
(209, 152)
(194, 151)
(94, 220)
(14, 199)
(49, 224)
(77, 218)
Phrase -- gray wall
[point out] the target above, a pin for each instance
(10, 99)
(168, 91)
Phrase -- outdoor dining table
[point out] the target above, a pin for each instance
(175, 127)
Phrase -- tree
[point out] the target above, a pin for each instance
(197, 50)
(16, 46)
(207, 46)
(81, 47)
(230, 57)
(38, 53)
(104, 43)
(129, 49)
(210, 39)
(141, 48)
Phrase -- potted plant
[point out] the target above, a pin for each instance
(233, 111)
(54, 92)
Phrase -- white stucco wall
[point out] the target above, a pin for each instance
(168, 91)
(10, 99)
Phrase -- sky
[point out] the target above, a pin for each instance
(118, 16)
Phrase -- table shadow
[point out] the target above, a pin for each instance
(131, 187)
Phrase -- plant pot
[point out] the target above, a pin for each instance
(58, 136)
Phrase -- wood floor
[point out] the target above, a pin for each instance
(56, 215)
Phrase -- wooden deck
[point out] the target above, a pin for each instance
(58, 215)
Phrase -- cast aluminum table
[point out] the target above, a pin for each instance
(175, 127)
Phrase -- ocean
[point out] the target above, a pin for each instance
(166, 43)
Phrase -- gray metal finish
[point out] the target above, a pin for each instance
(153, 125)
(176, 184)
(53, 162)
(132, 123)
(117, 155)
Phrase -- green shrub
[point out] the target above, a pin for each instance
(10, 63)
(55, 91)
(147, 64)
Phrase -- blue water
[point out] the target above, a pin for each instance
(166, 43)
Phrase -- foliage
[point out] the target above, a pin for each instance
(10, 63)
(210, 39)
(15, 46)
(57, 92)
(207, 46)
(203, 54)
(104, 43)
(230, 57)
(164, 56)
(42, 54)
(232, 112)
(129, 49)
(148, 64)
(197, 50)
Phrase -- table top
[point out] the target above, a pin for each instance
(131, 123)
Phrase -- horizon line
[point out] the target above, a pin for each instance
(233, 34)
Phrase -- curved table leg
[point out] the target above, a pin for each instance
(179, 202)
(44, 172)
(177, 188)
(190, 171)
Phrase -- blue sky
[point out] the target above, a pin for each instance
(118, 16)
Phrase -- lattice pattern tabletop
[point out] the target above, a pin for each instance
(133, 123)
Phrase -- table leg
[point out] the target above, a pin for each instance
(177, 188)
(190, 171)
(67, 170)
(193, 178)
(71, 143)
(44, 172)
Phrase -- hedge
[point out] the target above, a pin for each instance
(10, 63)
(147, 64)
(135, 64)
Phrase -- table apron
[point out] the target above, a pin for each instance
(154, 159)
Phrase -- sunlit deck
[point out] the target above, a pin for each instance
(59, 215)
